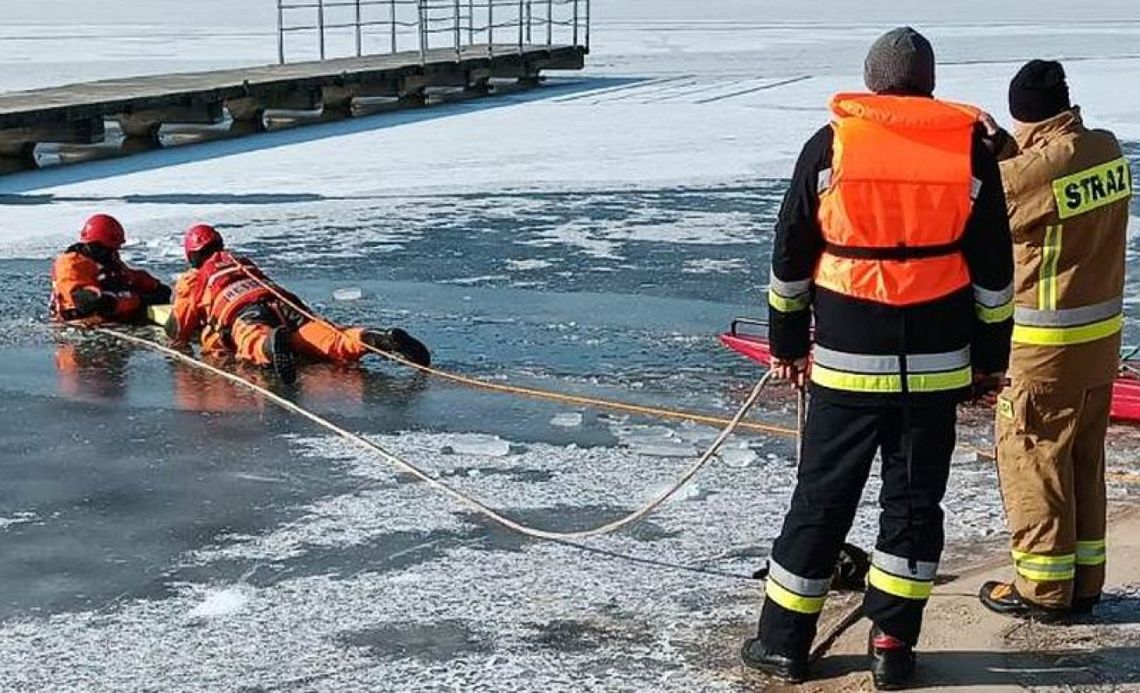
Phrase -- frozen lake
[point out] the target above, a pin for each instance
(161, 530)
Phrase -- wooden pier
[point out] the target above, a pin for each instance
(77, 114)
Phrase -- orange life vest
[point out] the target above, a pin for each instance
(900, 192)
(76, 269)
(225, 287)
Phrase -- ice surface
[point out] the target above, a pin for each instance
(567, 420)
(634, 199)
(731, 99)
(222, 603)
(477, 444)
(349, 294)
(16, 519)
(528, 264)
(662, 449)
(738, 457)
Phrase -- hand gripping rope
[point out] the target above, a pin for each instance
(441, 486)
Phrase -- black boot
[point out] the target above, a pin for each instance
(892, 661)
(280, 354)
(778, 666)
(1083, 606)
(1003, 598)
(400, 343)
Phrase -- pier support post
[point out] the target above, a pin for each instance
(18, 144)
(18, 156)
(140, 128)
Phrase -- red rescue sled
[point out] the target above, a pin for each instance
(752, 344)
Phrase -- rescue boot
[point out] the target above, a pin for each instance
(280, 354)
(787, 669)
(892, 661)
(400, 343)
(1002, 598)
(1083, 606)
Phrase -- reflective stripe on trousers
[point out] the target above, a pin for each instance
(1041, 568)
(795, 593)
(840, 370)
(1067, 326)
(893, 575)
(1091, 553)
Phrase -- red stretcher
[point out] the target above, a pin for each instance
(754, 345)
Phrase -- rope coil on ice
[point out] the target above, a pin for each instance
(441, 486)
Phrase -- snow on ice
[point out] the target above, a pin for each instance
(358, 575)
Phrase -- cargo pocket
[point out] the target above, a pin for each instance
(1013, 411)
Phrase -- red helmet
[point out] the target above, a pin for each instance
(200, 236)
(105, 230)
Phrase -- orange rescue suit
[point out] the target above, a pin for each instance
(88, 291)
(892, 223)
(230, 301)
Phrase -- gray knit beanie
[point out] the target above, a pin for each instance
(900, 62)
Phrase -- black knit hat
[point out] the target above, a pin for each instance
(901, 61)
(1038, 91)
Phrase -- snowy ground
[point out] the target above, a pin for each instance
(161, 531)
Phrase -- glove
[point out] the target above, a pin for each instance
(127, 305)
(157, 296)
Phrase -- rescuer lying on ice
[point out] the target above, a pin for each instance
(236, 308)
(90, 285)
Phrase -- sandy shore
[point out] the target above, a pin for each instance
(967, 648)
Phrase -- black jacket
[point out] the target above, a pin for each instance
(872, 328)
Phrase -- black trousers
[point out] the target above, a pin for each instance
(839, 446)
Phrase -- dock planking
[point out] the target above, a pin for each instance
(74, 114)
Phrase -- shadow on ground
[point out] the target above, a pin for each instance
(1111, 666)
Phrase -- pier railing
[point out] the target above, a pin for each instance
(322, 29)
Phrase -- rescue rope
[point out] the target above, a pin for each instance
(441, 486)
(602, 403)
(538, 393)
(849, 619)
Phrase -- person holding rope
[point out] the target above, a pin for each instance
(234, 307)
(91, 285)
(894, 235)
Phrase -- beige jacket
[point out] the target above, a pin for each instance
(1068, 190)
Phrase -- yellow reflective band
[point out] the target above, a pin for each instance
(1042, 559)
(897, 586)
(1050, 256)
(1093, 188)
(792, 601)
(1036, 575)
(916, 382)
(788, 305)
(1065, 336)
(1040, 568)
(994, 315)
(1091, 552)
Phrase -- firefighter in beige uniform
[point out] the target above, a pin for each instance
(1067, 189)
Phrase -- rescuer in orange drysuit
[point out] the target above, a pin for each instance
(90, 285)
(237, 308)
